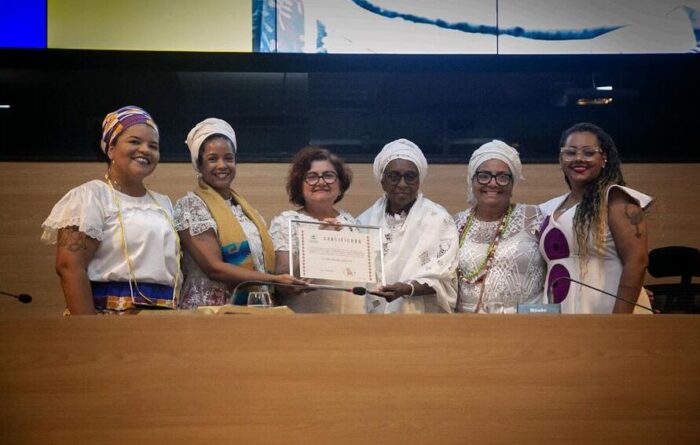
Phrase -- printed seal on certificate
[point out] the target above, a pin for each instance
(336, 252)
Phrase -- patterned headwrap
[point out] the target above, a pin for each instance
(400, 149)
(203, 130)
(116, 122)
(493, 150)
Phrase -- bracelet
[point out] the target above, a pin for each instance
(413, 290)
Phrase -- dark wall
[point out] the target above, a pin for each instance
(353, 104)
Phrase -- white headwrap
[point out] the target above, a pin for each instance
(493, 150)
(400, 149)
(203, 130)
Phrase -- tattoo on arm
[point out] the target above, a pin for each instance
(72, 239)
(635, 216)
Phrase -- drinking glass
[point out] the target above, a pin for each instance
(259, 299)
(493, 306)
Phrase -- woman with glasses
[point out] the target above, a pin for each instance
(116, 248)
(420, 239)
(225, 240)
(499, 261)
(596, 233)
(317, 180)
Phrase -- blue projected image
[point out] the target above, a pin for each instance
(23, 24)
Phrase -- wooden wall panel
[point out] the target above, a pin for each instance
(29, 190)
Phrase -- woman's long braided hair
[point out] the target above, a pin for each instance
(592, 210)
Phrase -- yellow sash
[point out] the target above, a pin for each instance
(235, 248)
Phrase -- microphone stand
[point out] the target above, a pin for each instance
(553, 283)
(355, 290)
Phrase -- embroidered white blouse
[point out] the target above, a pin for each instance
(198, 290)
(150, 238)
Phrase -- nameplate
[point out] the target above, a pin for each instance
(539, 309)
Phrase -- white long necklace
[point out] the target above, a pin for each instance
(130, 267)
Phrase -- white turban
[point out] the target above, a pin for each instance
(400, 149)
(203, 130)
(493, 150)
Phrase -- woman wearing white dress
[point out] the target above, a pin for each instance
(420, 239)
(596, 233)
(225, 240)
(117, 249)
(500, 265)
(317, 180)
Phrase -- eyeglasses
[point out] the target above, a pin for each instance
(586, 153)
(395, 177)
(328, 177)
(502, 179)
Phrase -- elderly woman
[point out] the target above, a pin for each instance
(499, 261)
(317, 180)
(596, 233)
(224, 238)
(420, 239)
(117, 249)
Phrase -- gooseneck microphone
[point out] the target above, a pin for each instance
(354, 290)
(22, 298)
(553, 283)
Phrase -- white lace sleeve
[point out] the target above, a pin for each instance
(460, 219)
(533, 219)
(81, 207)
(191, 213)
(279, 231)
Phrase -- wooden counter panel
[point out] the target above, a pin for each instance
(351, 379)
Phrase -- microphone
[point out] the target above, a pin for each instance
(553, 283)
(22, 298)
(354, 290)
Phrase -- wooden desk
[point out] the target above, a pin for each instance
(434, 379)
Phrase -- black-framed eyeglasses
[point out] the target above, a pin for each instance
(502, 179)
(572, 153)
(395, 177)
(328, 177)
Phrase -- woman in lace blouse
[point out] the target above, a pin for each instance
(317, 181)
(499, 261)
(116, 247)
(420, 239)
(225, 240)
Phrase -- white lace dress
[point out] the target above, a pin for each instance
(320, 301)
(198, 290)
(517, 272)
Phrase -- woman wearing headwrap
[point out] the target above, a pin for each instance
(224, 238)
(317, 180)
(117, 248)
(499, 260)
(420, 239)
(596, 233)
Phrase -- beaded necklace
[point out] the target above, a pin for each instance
(129, 265)
(476, 275)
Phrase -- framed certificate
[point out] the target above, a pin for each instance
(336, 252)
